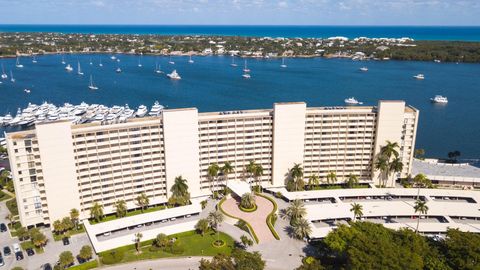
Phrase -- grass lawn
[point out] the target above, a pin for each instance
(4, 196)
(12, 207)
(111, 217)
(13, 229)
(28, 244)
(58, 237)
(193, 244)
(85, 266)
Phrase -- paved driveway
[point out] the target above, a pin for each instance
(256, 219)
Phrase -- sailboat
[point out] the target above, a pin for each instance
(158, 69)
(100, 65)
(4, 75)
(140, 61)
(11, 77)
(63, 60)
(34, 60)
(245, 68)
(170, 61)
(190, 60)
(18, 65)
(79, 72)
(283, 63)
(92, 86)
(91, 63)
(233, 61)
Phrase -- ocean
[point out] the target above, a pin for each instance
(211, 84)
(462, 33)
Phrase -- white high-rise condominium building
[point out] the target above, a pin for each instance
(59, 166)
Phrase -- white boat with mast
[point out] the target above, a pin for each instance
(246, 76)
(174, 75)
(34, 59)
(91, 63)
(158, 69)
(79, 71)
(352, 101)
(12, 79)
(190, 60)
(140, 61)
(17, 64)
(92, 86)
(233, 64)
(283, 65)
(4, 75)
(245, 67)
(170, 61)
(100, 64)
(63, 59)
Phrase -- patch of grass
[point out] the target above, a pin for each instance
(189, 243)
(58, 237)
(13, 229)
(111, 217)
(12, 207)
(29, 244)
(4, 196)
(85, 266)
(248, 210)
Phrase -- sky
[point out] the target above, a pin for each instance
(242, 12)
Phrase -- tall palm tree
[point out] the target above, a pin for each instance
(226, 169)
(313, 180)
(390, 149)
(384, 161)
(396, 166)
(352, 180)
(357, 210)
(212, 173)
(120, 208)
(421, 208)
(296, 172)
(250, 169)
(138, 238)
(215, 218)
(180, 190)
(257, 174)
(296, 210)
(142, 201)
(383, 166)
(96, 211)
(331, 177)
(301, 228)
(74, 215)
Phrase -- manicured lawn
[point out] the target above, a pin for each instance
(111, 217)
(28, 244)
(58, 237)
(85, 266)
(13, 229)
(12, 207)
(191, 244)
(4, 196)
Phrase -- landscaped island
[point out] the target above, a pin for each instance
(359, 48)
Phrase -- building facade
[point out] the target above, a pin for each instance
(59, 166)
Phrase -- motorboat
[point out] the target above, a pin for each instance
(156, 109)
(26, 90)
(246, 76)
(352, 101)
(419, 77)
(174, 75)
(69, 68)
(113, 57)
(141, 111)
(118, 70)
(439, 99)
(364, 69)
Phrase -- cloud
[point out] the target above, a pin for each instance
(282, 4)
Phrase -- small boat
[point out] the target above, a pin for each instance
(34, 60)
(118, 70)
(113, 57)
(140, 62)
(79, 72)
(68, 68)
(91, 63)
(437, 61)
(170, 61)
(190, 60)
(246, 76)
(18, 65)
(26, 90)
(158, 69)
(174, 75)
(100, 64)
(63, 60)
(4, 75)
(141, 111)
(11, 77)
(233, 61)
(245, 68)
(283, 63)
(352, 101)
(419, 77)
(364, 69)
(92, 86)
(439, 99)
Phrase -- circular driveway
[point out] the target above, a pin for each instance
(257, 219)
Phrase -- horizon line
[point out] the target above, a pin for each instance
(239, 25)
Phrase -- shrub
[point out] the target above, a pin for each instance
(273, 219)
(112, 257)
(278, 194)
(242, 225)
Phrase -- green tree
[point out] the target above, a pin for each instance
(17, 268)
(388, 161)
(296, 173)
(22, 233)
(296, 210)
(96, 212)
(67, 223)
(419, 154)
(246, 241)
(301, 228)
(218, 262)
(161, 240)
(212, 173)
(352, 181)
(37, 237)
(226, 169)
(331, 178)
(247, 260)
(421, 181)
(215, 218)
(462, 249)
(65, 259)
(138, 238)
(120, 208)
(421, 208)
(453, 156)
(250, 169)
(179, 189)
(86, 252)
(257, 174)
(58, 227)
(74, 216)
(202, 226)
(357, 210)
(313, 180)
(247, 200)
(143, 201)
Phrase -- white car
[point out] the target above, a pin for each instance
(16, 247)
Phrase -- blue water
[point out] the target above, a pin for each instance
(465, 33)
(211, 84)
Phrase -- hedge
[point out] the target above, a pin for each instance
(252, 232)
(269, 217)
(248, 210)
(85, 266)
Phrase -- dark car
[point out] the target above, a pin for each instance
(2, 263)
(7, 251)
(3, 227)
(47, 266)
(65, 241)
(19, 255)
(30, 252)
(81, 260)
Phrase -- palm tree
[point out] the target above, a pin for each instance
(421, 208)
(212, 173)
(96, 211)
(248, 201)
(331, 177)
(385, 163)
(138, 238)
(295, 211)
(396, 165)
(383, 166)
(120, 208)
(296, 172)
(214, 219)
(74, 215)
(58, 226)
(226, 169)
(357, 211)
(11, 218)
(180, 191)
(250, 169)
(257, 173)
(352, 180)
(313, 180)
(202, 226)
(421, 181)
(142, 201)
(301, 228)
(389, 150)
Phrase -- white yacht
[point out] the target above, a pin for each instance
(4, 75)
(7, 118)
(419, 77)
(92, 86)
(245, 67)
(118, 70)
(79, 71)
(11, 77)
(18, 65)
(352, 101)
(364, 69)
(156, 109)
(68, 68)
(174, 75)
(141, 111)
(283, 65)
(439, 99)
(246, 76)
(190, 60)
(233, 64)
(26, 90)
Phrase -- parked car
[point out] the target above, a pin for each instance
(30, 252)
(7, 251)
(2, 263)
(46, 266)
(16, 247)
(19, 255)
(81, 260)
(65, 241)
(3, 227)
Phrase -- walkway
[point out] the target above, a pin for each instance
(257, 219)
